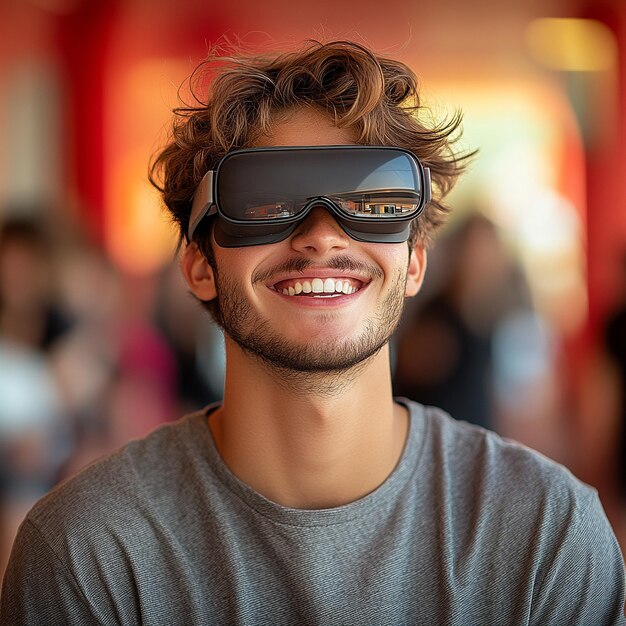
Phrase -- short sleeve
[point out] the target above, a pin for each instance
(584, 582)
(38, 589)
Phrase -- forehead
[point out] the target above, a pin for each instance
(305, 126)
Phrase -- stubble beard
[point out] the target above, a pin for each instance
(308, 366)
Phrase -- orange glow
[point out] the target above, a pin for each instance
(138, 234)
(139, 237)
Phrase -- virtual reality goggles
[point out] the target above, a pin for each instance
(260, 195)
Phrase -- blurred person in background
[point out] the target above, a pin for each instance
(35, 438)
(309, 495)
(85, 361)
(115, 367)
(615, 345)
(475, 346)
(445, 354)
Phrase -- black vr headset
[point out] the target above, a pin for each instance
(260, 195)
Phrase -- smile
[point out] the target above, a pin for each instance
(318, 287)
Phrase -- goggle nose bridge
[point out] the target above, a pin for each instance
(312, 203)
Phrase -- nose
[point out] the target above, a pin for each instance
(319, 233)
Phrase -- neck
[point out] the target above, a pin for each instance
(309, 440)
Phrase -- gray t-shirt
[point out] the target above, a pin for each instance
(467, 530)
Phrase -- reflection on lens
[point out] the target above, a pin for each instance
(378, 205)
(268, 211)
(362, 204)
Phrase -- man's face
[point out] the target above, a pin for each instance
(318, 300)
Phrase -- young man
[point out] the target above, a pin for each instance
(310, 496)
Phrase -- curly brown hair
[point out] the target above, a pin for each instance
(376, 96)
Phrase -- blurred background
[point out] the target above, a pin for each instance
(521, 325)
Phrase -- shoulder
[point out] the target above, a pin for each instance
(490, 483)
(474, 454)
(113, 487)
(83, 544)
(530, 520)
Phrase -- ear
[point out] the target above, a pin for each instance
(415, 273)
(198, 273)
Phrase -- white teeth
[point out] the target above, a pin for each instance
(321, 286)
